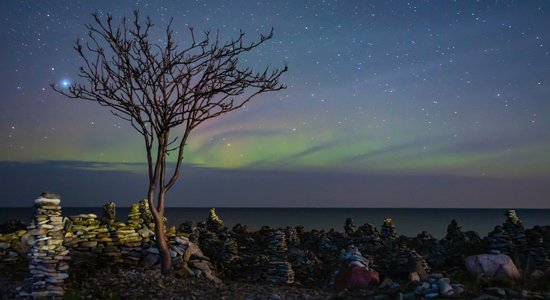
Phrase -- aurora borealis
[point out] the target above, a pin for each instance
(376, 90)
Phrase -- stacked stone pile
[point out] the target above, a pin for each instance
(325, 244)
(515, 230)
(509, 238)
(292, 238)
(429, 248)
(194, 261)
(109, 213)
(499, 240)
(230, 250)
(279, 270)
(213, 223)
(86, 235)
(454, 233)
(388, 230)
(189, 228)
(410, 261)
(277, 243)
(538, 257)
(367, 238)
(134, 217)
(48, 259)
(146, 214)
(15, 245)
(349, 227)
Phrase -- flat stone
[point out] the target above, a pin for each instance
(87, 244)
(43, 201)
(431, 296)
(48, 195)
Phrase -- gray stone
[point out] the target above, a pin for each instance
(493, 266)
(445, 289)
(458, 289)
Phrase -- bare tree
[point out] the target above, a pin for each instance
(162, 89)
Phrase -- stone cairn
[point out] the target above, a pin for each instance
(349, 227)
(368, 238)
(109, 212)
(429, 248)
(48, 259)
(538, 257)
(213, 223)
(146, 214)
(279, 270)
(515, 230)
(508, 238)
(15, 242)
(292, 238)
(388, 230)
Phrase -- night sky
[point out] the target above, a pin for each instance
(389, 103)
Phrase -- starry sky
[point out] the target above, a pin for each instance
(389, 103)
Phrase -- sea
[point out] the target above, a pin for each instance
(409, 221)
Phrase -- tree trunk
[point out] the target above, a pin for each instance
(160, 235)
(164, 251)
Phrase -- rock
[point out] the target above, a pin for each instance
(4, 245)
(457, 289)
(354, 258)
(433, 295)
(150, 260)
(445, 289)
(46, 201)
(355, 278)
(191, 250)
(414, 277)
(386, 283)
(47, 195)
(492, 266)
(181, 240)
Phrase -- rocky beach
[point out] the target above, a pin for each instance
(87, 256)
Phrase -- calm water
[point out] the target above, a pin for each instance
(408, 221)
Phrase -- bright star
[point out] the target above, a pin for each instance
(65, 83)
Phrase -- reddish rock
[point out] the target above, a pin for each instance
(355, 278)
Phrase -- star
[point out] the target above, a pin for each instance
(65, 83)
